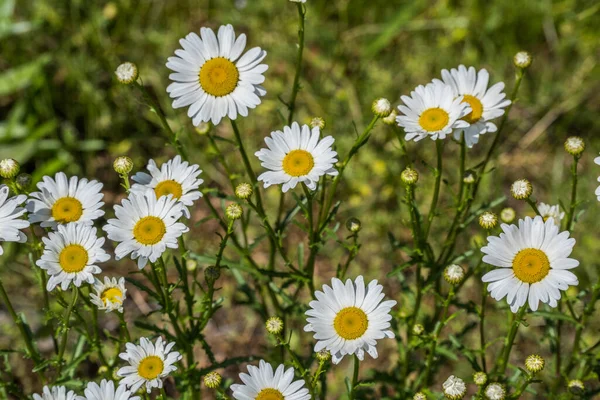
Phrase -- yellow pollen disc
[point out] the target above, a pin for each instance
(149, 230)
(219, 76)
(531, 265)
(476, 107)
(166, 188)
(298, 163)
(351, 323)
(67, 209)
(112, 295)
(434, 119)
(73, 258)
(269, 394)
(150, 367)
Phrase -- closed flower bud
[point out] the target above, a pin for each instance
(574, 145)
(409, 176)
(469, 177)
(323, 355)
(102, 370)
(353, 224)
(127, 73)
(480, 378)
(212, 380)
(212, 273)
(522, 59)
(454, 274)
(418, 329)
(391, 119)
(508, 215)
(534, 363)
(203, 128)
(454, 388)
(488, 220)
(495, 391)
(317, 122)
(381, 107)
(576, 386)
(9, 168)
(419, 396)
(191, 265)
(23, 181)
(521, 189)
(233, 211)
(123, 165)
(243, 191)
(274, 325)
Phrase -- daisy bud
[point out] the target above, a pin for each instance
(574, 145)
(522, 59)
(418, 329)
(381, 107)
(419, 396)
(353, 225)
(508, 215)
(488, 220)
(23, 181)
(102, 370)
(521, 189)
(469, 177)
(317, 122)
(576, 386)
(9, 168)
(212, 273)
(534, 363)
(123, 165)
(409, 176)
(203, 128)
(127, 73)
(212, 380)
(454, 388)
(274, 325)
(191, 265)
(323, 355)
(243, 191)
(233, 211)
(454, 274)
(495, 391)
(390, 119)
(480, 378)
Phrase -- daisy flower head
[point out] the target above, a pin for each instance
(55, 393)
(261, 383)
(145, 226)
(534, 263)
(495, 391)
(432, 111)
(547, 211)
(11, 222)
(149, 364)
(106, 391)
(213, 78)
(349, 318)
(61, 201)
(109, 295)
(454, 388)
(296, 155)
(175, 177)
(71, 254)
(486, 103)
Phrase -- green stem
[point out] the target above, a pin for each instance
(533, 206)
(500, 367)
(352, 394)
(124, 328)
(571, 212)
(482, 327)
(63, 344)
(296, 87)
(439, 146)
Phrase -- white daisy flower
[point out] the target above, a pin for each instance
(432, 110)
(174, 177)
(486, 104)
(262, 384)
(145, 226)
(55, 393)
(10, 218)
(149, 364)
(106, 391)
(61, 201)
(296, 155)
(213, 78)
(547, 211)
(454, 388)
(349, 319)
(110, 294)
(597, 161)
(71, 254)
(534, 263)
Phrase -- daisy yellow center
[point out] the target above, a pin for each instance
(476, 107)
(166, 188)
(269, 394)
(531, 265)
(112, 295)
(351, 323)
(73, 258)
(150, 367)
(298, 163)
(434, 119)
(219, 76)
(67, 209)
(149, 230)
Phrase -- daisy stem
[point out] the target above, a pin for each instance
(124, 328)
(521, 388)
(571, 212)
(163, 393)
(533, 206)
(482, 327)
(296, 87)
(352, 393)
(500, 367)
(63, 343)
(439, 146)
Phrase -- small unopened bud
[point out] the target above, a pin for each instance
(212, 273)
(274, 325)
(534, 363)
(191, 265)
(418, 329)
(212, 380)
(233, 211)
(454, 274)
(243, 191)
(469, 177)
(521, 189)
(127, 73)
(508, 215)
(409, 176)
(576, 386)
(574, 145)
(23, 181)
(323, 355)
(353, 224)
(317, 122)
(102, 370)
(522, 59)
(123, 165)
(454, 388)
(480, 378)
(495, 391)
(381, 107)
(391, 119)
(419, 396)
(488, 220)
(9, 168)
(203, 128)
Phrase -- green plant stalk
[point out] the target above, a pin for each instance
(63, 344)
(533, 206)
(572, 206)
(95, 337)
(296, 86)
(500, 366)
(482, 327)
(521, 388)
(123, 324)
(352, 394)
(439, 146)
